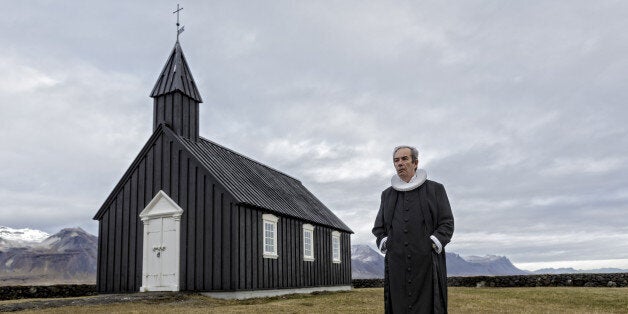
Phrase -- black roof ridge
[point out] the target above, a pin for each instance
(249, 158)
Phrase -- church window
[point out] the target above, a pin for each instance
(335, 245)
(308, 242)
(270, 235)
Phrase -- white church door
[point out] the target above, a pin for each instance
(162, 220)
(161, 272)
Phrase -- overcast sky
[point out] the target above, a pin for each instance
(517, 107)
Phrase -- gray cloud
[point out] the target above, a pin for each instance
(516, 107)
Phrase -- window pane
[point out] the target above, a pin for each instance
(269, 237)
(308, 244)
(336, 248)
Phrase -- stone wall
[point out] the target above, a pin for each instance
(562, 280)
(54, 291)
(368, 283)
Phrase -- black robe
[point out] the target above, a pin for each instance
(416, 276)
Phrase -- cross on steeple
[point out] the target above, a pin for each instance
(179, 30)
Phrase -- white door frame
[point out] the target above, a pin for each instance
(161, 206)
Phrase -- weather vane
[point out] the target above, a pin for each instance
(179, 30)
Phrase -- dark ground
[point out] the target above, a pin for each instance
(34, 304)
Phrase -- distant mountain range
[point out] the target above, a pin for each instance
(579, 271)
(367, 263)
(489, 265)
(33, 257)
(30, 256)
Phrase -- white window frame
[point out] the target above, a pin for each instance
(269, 220)
(308, 229)
(335, 250)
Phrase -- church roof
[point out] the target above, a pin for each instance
(248, 181)
(255, 184)
(176, 76)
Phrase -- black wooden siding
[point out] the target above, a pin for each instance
(221, 241)
(179, 112)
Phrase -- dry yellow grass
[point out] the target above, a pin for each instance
(539, 300)
(461, 300)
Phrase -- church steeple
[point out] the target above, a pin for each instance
(176, 97)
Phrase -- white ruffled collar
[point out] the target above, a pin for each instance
(398, 184)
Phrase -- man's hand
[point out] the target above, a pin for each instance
(436, 245)
(382, 245)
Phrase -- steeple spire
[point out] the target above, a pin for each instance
(176, 98)
(175, 95)
(179, 30)
(176, 76)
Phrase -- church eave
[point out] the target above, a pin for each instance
(318, 223)
(178, 90)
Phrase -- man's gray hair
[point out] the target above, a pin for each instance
(414, 153)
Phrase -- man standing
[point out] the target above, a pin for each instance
(413, 225)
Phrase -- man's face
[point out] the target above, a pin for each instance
(404, 165)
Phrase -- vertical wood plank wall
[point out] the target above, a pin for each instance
(221, 242)
(178, 111)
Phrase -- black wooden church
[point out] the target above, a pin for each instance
(192, 215)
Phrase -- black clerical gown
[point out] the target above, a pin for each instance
(416, 276)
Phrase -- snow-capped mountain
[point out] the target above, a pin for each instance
(10, 237)
(68, 256)
(71, 239)
(366, 263)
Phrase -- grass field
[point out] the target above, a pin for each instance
(461, 300)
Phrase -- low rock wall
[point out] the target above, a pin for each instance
(54, 291)
(561, 280)
(367, 283)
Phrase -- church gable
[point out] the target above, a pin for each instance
(140, 161)
(159, 166)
